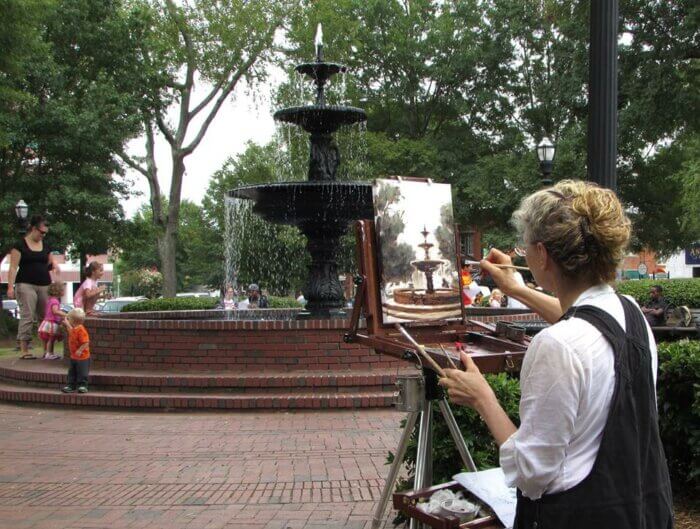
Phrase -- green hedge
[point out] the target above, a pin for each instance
(165, 304)
(679, 422)
(274, 302)
(193, 303)
(676, 291)
(679, 411)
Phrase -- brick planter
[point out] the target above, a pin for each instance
(185, 340)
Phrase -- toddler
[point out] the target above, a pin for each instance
(79, 345)
(50, 328)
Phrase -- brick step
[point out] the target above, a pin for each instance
(211, 401)
(53, 375)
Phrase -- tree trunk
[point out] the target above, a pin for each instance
(82, 265)
(167, 239)
(167, 247)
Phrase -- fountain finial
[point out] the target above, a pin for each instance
(318, 42)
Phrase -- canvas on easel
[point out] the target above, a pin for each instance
(417, 255)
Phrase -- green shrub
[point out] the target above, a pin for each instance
(678, 389)
(166, 304)
(275, 302)
(141, 282)
(676, 291)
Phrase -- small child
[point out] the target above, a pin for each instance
(50, 328)
(496, 299)
(89, 292)
(79, 345)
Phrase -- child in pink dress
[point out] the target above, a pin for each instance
(50, 328)
(87, 294)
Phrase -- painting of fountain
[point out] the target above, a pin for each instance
(415, 231)
(427, 265)
(322, 206)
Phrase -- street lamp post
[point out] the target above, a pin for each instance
(602, 93)
(545, 154)
(22, 211)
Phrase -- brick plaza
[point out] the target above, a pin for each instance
(87, 469)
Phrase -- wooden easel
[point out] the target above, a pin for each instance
(491, 353)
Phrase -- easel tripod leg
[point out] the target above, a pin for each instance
(423, 456)
(457, 435)
(394, 470)
(423, 477)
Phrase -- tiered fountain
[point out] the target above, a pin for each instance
(444, 298)
(321, 207)
(427, 265)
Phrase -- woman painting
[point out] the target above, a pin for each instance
(587, 452)
(29, 279)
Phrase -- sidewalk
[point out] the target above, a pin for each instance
(89, 469)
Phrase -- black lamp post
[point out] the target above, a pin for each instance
(22, 211)
(602, 93)
(545, 153)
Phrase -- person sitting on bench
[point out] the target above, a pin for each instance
(655, 310)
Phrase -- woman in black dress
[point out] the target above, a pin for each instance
(29, 279)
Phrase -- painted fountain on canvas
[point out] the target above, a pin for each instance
(415, 227)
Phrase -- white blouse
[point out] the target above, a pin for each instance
(566, 384)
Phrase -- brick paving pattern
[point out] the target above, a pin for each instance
(93, 469)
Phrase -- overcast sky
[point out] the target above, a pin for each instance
(242, 118)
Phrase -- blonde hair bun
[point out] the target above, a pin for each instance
(584, 227)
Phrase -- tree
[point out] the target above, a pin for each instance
(258, 251)
(396, 256)
(199, 256)
(218, 44)
(72, 108)
(462, 91)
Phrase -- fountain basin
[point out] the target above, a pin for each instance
(440, 296)
(320, 70)
(321, 119)
(310, 204)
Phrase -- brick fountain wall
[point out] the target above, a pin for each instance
(183, 340)
(194, 361)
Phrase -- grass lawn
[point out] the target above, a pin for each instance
(8, 347)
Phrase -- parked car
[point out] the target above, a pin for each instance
(117, 304)
(193, 295)
(10, 305)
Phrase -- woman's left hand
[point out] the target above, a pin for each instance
(468, 387)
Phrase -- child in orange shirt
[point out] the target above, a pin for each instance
(79, 346)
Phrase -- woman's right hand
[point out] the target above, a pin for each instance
(10, 292)
(504, 277)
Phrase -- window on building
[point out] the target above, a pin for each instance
(466, 244)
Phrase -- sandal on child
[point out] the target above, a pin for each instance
(27, 356)
(51, 356)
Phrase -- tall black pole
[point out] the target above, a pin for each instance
(602, 94)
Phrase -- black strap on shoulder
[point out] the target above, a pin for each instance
(635, 323)
(602, 321)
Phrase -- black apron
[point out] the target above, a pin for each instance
(629, 486)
